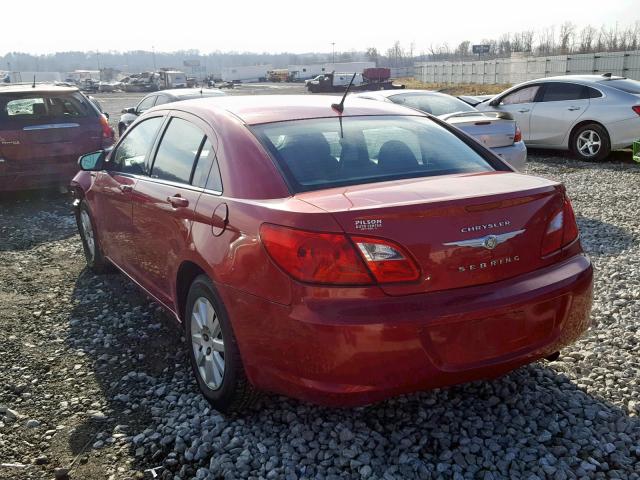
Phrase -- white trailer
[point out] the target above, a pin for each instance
(255, 73)
(305, 72)
(347, 67)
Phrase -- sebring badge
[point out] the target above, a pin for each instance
(489, 241)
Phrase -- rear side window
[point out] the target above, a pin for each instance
(204, 176)
(433, 104)
(43, 106)
(625, 84)
(178, 150)
(324, 153)
(556, 92)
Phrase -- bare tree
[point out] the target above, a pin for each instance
(566, 37)
(587, 37)
(462, 50)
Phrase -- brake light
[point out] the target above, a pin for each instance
(387, 261)
(518, 135)
(636, 109)
(107, 131)
(562, 229)
(315, 257)
(331, 258)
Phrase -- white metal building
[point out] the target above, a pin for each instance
(253, 73)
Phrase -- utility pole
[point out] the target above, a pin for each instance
(153, 52)
(333, 52)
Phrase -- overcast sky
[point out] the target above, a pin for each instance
(298, 26)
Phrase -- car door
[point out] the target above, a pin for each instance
(164, 202)
(519, 104)
(560, 106)
(113, 190)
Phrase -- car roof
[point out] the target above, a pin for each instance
(256, 109)
(191, 92)
(39, 87)
(577, 78)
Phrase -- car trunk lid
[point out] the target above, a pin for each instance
(490, 130)
(461, 230)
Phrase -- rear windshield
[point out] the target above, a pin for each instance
(433, 104)
(625, 84)
(42, 105)
(326, 152)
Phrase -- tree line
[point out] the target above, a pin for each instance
(566, 39)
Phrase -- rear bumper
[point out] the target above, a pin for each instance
(624, 133)
(515, 155)
(41, 176)
(354, 346)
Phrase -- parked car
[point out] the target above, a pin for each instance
(43, 130)
(590, 115)
(339, 258)
(495, 131)
(129, 115)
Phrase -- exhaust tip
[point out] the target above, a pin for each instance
(553, 357)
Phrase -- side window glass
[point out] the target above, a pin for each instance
(177, 152)
(524, 95)
(161, 100)
(203, 165)
(146, 104)
(557, 92)
(130, 154)
(593, 93)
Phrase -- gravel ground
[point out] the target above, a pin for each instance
(96, 385)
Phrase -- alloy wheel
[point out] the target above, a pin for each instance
(589, 143)
(207, 343)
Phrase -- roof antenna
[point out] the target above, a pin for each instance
(340, 106)
(34, 81)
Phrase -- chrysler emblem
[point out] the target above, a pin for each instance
(488, 241)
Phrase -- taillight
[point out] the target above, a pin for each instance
(387, 261)
(518, 135)
(562, 229)
(315, 257)
(636, 109)
(330, 258)
(107, 131)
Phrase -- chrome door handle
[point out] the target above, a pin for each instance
(524, 110)
(126, 188)
(571, 109)
(177, 201)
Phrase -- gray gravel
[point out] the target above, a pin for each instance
(108, 392)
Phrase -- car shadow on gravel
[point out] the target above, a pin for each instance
(601, 238)
(564, 157)
(534, 420)
(32, 218)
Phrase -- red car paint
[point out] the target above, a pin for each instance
(465, 318)
(38, 151)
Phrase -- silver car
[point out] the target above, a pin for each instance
(587, 114)
(496, 131)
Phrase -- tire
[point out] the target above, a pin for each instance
(90, 244)
(211, 343)
(591, 143)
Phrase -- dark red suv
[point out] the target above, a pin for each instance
(335, 256)
(43, 131)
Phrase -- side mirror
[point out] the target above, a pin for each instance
(91, 162)
(106, 115)
(495, 102)
(130, 110)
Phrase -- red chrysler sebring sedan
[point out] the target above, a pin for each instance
(336, 256)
